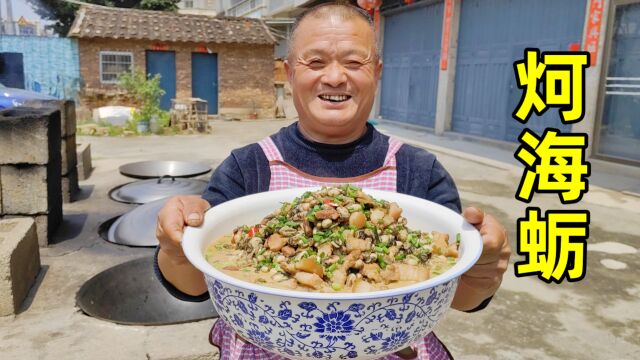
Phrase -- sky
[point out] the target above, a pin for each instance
(20, 8)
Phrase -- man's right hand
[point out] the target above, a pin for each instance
(172, 218)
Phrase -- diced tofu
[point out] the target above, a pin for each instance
(358, 244)
(289, 268)
(332, 214)
(361, 285)
(412, 272)
(325, 249)
(440, 242)
(288, 251)
(371, 271)
(452, 250)
(308, 279)
(390, 273)
(339, 277)
(276, 241)
(311, 266)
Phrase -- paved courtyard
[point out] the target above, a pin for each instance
(596, 318)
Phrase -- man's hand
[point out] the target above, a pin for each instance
(172, 218)
(484, 278)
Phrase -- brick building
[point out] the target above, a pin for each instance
(227, 61)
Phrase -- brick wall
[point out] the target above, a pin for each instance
(245, 73)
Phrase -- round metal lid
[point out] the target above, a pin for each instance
(105, 227)
(131, 294)
(159, 168)
(137, 227)
(144, 191)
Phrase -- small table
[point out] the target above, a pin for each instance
(190, 114)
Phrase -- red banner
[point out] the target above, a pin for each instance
(593, 29)
(159, 47)
(446, 34)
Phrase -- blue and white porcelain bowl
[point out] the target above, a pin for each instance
(306, 325)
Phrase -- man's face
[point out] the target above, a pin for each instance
(333, 73)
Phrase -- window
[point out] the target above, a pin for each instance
(188, 4)
(27, 29)
(114, 63)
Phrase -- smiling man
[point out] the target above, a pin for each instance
(334, 68)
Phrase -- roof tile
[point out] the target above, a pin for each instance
(106, 22)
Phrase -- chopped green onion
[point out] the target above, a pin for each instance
(413, 240)
(308, 253)
(336, 286)
(458, 239)
(381, 249)
(401, 256)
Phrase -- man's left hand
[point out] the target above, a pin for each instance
(484, 278)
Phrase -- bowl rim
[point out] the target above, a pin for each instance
(471, 241)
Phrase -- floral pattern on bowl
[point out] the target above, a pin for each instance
(308, 325)
(323, 329)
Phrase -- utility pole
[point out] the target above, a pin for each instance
(12, 25)
(1, 20)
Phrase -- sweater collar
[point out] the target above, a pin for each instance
(293, 133)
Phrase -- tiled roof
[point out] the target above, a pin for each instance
(117, 23)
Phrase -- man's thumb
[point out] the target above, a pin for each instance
(194, 211)
(473, 215)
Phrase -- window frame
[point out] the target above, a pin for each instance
(101, 53)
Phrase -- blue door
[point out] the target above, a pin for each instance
(494, 34)
(163, 63)
(12, 70)
(411, 55)
(619, 128)
(204, 79)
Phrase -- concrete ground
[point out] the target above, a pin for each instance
(596, 318)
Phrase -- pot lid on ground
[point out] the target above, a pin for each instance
(159, 168)
(144, 191)
(130, 293)
(136, 227)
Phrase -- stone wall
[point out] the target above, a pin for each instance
(19, 262)
(30, 168)
(68, 155)
(245, 73)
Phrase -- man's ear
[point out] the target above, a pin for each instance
(378, 70)
(289, 70)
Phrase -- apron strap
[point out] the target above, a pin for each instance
(273, 154)
(394, 146)
(270, 149)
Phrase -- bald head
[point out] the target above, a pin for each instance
(333, 12)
